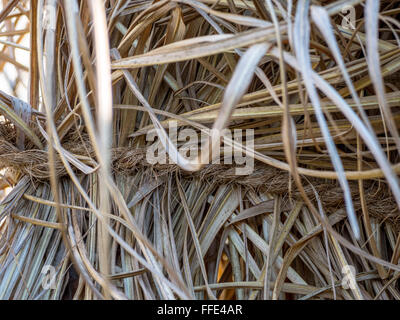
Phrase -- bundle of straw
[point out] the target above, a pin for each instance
(305, 93)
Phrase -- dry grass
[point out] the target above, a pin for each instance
(324, 195)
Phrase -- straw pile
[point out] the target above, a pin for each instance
(91, 217)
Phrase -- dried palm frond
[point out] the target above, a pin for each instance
(306, 90)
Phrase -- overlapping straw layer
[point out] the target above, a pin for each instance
(316, 83)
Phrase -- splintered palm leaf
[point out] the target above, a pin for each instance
(126, 162)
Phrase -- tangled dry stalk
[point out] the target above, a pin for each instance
(316, 81)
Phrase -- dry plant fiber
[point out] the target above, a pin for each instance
(307, 92)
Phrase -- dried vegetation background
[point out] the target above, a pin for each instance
(321, 93)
